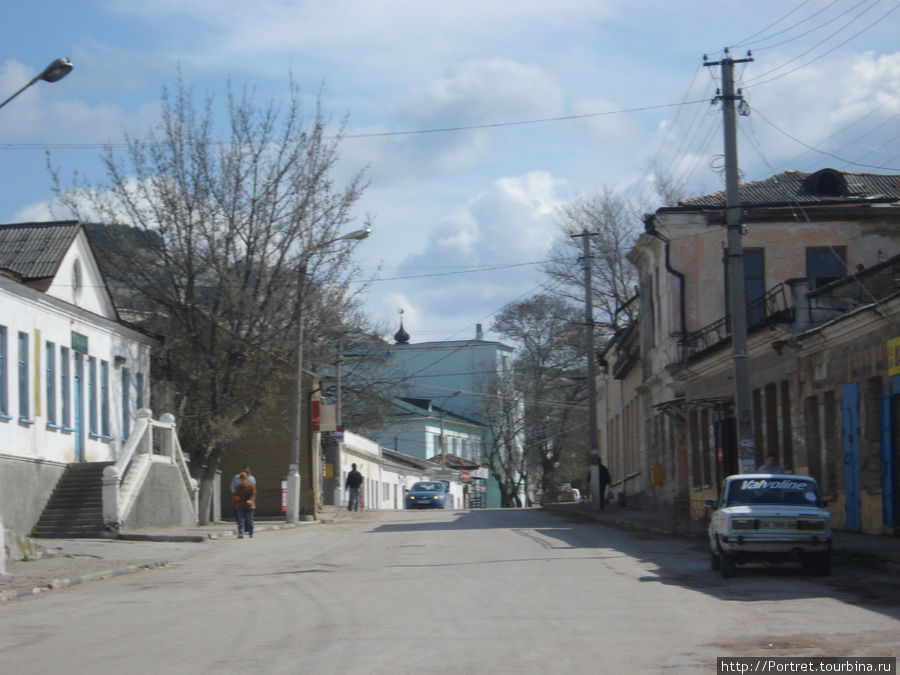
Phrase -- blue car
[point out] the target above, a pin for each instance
(428, 494)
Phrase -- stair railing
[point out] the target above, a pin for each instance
(122, 480)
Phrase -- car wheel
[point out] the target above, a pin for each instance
(727, 566)
(714, 562)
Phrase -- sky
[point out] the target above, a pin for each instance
(476, 121)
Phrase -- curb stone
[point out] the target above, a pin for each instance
(59, 584)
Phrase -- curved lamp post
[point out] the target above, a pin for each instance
(52, 73)
(293, 482)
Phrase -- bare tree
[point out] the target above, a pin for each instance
(502, 412)
(225, 225)
(551, 374)
(614, 225)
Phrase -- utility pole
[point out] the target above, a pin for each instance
(591, 366)
(737, 298)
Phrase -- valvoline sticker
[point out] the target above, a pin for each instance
(764, 484)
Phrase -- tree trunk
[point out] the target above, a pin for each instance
(207, 478)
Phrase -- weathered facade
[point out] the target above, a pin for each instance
(821, 279)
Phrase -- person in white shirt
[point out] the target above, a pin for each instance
(237, 478)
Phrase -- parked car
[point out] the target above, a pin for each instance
(428, 494)
(769, 518)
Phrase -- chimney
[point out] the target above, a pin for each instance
(479, 335)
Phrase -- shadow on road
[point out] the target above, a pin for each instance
(679, 561)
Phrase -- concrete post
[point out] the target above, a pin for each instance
(111, 498)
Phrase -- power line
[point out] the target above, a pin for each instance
(377, 134)
(774, 23)
(824, 54)
(821, 152)
(811, 30)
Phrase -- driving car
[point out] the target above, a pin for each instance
(769, 518)
(427, 494)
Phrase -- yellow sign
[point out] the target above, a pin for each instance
(329, 471)
(893, 350)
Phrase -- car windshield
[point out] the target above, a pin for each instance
(799, 492)
(427, 487)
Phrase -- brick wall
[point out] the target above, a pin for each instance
(264, 444)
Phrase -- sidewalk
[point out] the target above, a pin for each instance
(54, 564)
(879, 551)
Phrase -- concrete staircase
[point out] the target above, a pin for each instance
(75, 509)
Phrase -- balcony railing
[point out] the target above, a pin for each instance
(767, 310)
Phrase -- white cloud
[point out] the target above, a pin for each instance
(474, 92)
(511, 223)
(820, 103)
(605, 130)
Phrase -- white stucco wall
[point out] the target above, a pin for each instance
(384, 484)
(46, 319)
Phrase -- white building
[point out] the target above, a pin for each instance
(72, 373)
(386, 475)
(467, 378)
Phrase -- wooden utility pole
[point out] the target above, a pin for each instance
(737, 297)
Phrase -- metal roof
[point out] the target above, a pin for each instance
(827, 186)
(35, 250)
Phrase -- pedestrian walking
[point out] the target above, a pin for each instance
(353, 482)
(771, 466)
(237, 478)
(604, 480)
(244, 504)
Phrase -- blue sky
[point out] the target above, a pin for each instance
(826, 74)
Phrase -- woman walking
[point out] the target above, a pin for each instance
(244, 505)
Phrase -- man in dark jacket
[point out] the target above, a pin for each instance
(603, 474)
(354, 480)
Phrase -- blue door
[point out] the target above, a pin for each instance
(850, 434)
(890, 454)
(887, 463)
(79, 408)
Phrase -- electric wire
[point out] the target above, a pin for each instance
(752, 82)
(746, 40)
(821, 152)
(757, 48)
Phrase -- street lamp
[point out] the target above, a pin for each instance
(293, 482)
(52, 73)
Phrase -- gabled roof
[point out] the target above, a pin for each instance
(33, 251)
(400, 459)
(827, 186)
(417, 408)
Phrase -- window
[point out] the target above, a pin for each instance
(126, 411)
(825, 264)
(92, 395)
(64, 387)
(139, 385)
(23, 377)
(104, 398)
(787, 430)
(754, 284)
(51, 383)
(76, 278)
(4, 397)
(694, 431)
(770, 412)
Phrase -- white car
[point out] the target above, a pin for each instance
(769, 518)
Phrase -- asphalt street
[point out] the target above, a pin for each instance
(447, 592)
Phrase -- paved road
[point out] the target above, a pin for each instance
(474, 592)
